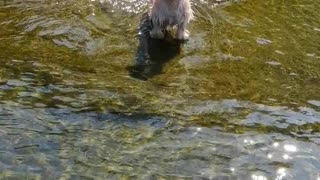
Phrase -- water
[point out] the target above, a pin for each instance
(240, 100)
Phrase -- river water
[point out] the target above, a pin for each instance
(239, 100)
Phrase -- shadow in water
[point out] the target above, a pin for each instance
(152, 54)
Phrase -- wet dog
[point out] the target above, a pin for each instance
(169, 13)
(152, 54)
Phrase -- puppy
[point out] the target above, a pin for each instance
(168, 13)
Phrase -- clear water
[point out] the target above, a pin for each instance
(240, 100)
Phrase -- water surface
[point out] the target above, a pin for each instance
(239, 100)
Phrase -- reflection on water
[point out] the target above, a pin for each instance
(238, 101)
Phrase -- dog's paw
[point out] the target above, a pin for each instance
(183, 35)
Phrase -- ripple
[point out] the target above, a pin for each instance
(273, 116)
(131, 6)
(314, 102)
(135, 144)
(273, 63)
(16, 83)
(263, 41)
(194, 61)
(69, 111)
(129, 137)
(228, 57)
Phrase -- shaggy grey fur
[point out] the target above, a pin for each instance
(168, 13)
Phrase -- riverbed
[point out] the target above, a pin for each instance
(239, 100)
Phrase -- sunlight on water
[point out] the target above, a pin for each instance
(290, 148)
(258, 177)
(281, 173)
(131, 6)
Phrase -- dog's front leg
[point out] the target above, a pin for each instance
(182, 32)
(157, 32)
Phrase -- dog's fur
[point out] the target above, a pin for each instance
(168, 13)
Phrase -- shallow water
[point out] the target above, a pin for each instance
(239, 100)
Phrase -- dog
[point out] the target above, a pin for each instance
(169, 13)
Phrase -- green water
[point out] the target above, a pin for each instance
(241, 99)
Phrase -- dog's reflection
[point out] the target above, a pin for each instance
(152, 54)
